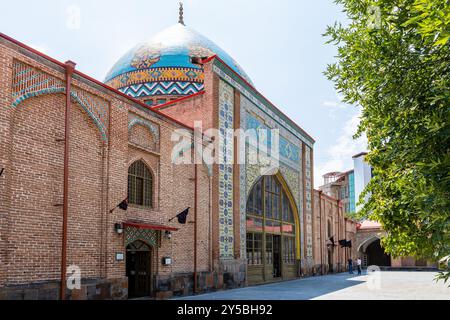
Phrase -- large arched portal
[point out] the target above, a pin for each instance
(373, 253)
(272, 231)
(376, 255)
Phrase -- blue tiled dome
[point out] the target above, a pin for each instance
(163, 66)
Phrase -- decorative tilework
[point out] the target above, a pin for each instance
(226, 118)
(308, 199)
(151, 237)
(292, 178)
(288, 151)
(276, 116)
(28, 82)
(242, 211)
(157, 75)
(134, 120)
(167, 64)
(291, 170)
(95, 107)
(162, 88)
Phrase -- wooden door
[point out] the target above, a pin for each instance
(276, 256)
(139, 272)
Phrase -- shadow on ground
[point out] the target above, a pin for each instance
(301, 289)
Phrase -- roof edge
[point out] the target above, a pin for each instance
(359, 155)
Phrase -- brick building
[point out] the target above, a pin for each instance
(331, 222)
(72, 148)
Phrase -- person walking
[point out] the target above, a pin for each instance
(358, 264)
(350, 266)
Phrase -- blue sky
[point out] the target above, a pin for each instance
(279, 44)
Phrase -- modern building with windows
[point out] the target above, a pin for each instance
(362, 175)
(341, 185)
(73, 148)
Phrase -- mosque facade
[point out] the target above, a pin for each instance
(74, 148)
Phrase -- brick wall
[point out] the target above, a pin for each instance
(31, 187)
(327, 210)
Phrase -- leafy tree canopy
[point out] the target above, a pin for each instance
(394, 62)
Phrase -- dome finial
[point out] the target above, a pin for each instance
(181, 19)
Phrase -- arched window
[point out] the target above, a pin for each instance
(140, 185)
(270, 227)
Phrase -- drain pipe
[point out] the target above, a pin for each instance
(320, 232)
(195, 226)
(70, 68)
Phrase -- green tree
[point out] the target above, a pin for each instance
(394, 62)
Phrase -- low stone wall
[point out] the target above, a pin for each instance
(325, 269)
(232, 275)
(91, 289)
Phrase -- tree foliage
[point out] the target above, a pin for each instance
(394, 62)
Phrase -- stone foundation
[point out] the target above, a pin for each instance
(232, 275)
(91, 289)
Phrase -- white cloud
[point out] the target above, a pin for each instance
(339, 155)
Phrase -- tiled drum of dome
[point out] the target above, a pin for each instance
(226, 118)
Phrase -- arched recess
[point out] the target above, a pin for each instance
(97, 112)
(140, 135)
(272, 230)
(152, 128)
(29, 82)
(363, 246)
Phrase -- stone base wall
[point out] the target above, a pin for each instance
(317, 270)
(231, 274)
(91, 289)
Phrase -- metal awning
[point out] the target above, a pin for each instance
(149, 226)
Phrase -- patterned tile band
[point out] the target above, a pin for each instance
(157, 75)
(95, 107)
(28, 82)
(308, 170)
(162, 88)
(226, 118)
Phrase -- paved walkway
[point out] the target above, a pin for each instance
(385, 285)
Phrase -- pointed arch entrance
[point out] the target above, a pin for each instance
(273, 231)
(373, 253)
(138, 269)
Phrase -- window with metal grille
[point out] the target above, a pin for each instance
(140, 185)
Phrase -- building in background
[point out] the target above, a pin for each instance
(331, 225)
(341, 186)
(362, 175)
(347, 187)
